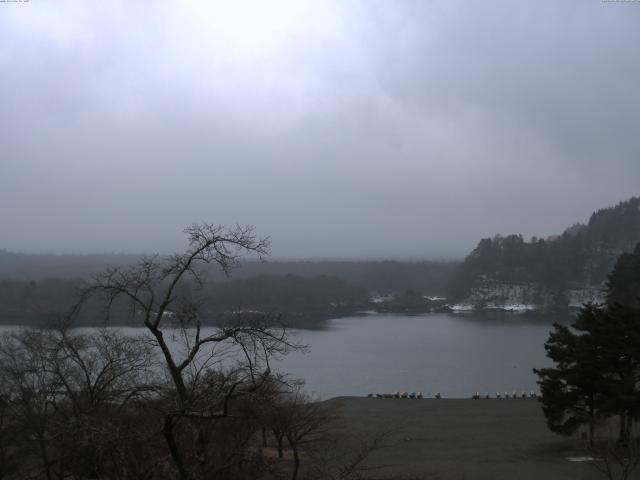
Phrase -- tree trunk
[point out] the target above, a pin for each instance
(280, 452)
(624, 432)
(175, 373)
(61, 472)
(167, 430)
(45, 456)
(264, 437)
(200, 445)
(296, 462)
(591, 420)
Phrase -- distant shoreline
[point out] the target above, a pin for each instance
(315, 322)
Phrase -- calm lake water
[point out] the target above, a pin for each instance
(455, 354)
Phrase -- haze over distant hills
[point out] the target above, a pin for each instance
(583, 254)
(388, 275)
(26, 266)
(559, 270)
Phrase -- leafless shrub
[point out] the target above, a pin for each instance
(615, 460)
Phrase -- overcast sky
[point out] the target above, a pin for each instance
(339, 128)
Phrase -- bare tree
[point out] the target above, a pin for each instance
(104, 367)
(30, 395)
(616, 460)
(348, 457)
(64, 396)
(209, 368)
(101, 375)
(319, 449)
(308, 420)
(294, 416)
(184, 400)
(10, 431)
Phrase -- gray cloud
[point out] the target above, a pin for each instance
(340, 129)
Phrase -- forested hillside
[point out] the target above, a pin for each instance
(582, 255)
(38, 288)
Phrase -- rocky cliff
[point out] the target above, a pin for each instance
(524, 296)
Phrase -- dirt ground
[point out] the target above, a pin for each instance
(464, 439)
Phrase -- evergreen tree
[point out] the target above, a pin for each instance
(572, 391)
(597, 359)
(618, 351)
(623, 286)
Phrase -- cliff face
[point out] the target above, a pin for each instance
(576, 297)
(522, 296)
(559, 271)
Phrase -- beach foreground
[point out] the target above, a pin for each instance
(464, 439)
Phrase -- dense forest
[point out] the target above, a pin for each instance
(299, 301)
(39, 288)
(581, 255)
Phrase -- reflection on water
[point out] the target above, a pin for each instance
(455, 354)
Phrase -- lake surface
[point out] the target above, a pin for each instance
(455, 354)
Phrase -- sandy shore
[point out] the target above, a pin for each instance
(465, 439)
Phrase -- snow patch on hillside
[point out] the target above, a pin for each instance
(523, 296)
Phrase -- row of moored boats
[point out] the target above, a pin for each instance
(437, 395)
